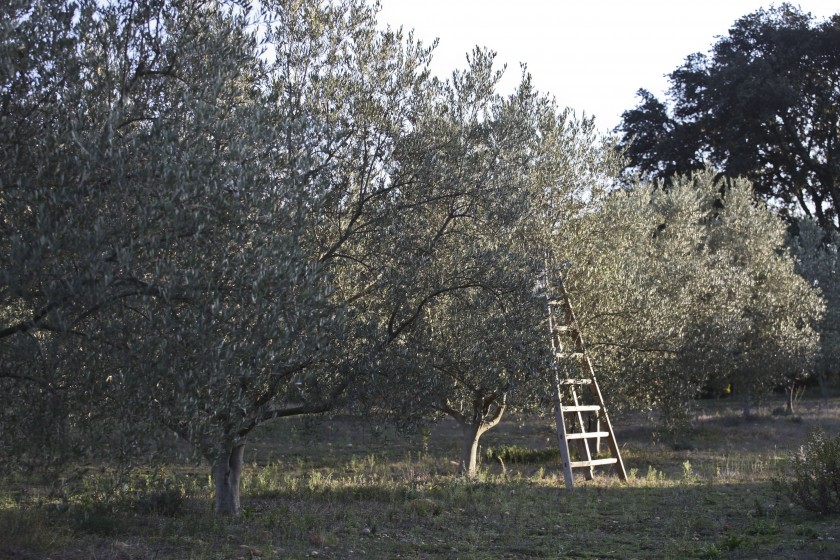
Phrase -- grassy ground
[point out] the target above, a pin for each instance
(340, 489)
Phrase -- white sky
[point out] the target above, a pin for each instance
(591, 55)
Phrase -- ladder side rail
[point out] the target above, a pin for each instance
(560, 420)
(596, 390)
(605, 418)
(562, 437)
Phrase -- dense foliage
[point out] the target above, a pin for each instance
(213, 216)
(763, 104)
(688, 289)
(815, 251)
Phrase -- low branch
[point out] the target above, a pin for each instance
(497, 417)
(19, 377)
(446, 408)
(312, 408)
(633, 347)
(395, 330)
(30, 324)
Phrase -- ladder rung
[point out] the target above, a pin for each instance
(587, 435)
(576, 382)
(582, 408)
(563, 329)
(594, 462)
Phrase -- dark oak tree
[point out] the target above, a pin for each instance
(763, 104)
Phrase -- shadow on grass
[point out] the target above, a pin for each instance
(501, 518)
(514, 516)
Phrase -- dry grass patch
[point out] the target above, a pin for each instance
(342, 489)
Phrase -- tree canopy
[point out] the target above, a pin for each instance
(213, 216)
(177, 208)
(688, 288)
(764, 104)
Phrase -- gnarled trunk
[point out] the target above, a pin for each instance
(227, 473)
(791, 397)
(487, 412)
(470, 434)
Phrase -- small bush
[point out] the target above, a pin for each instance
(813, 478)
(159, 493)
(521, 455)
(94, 520)
(167, 501)
(423, 507)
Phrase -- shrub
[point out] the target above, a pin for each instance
(167, 501)
(813, 478)
(521, 455)
(94, 520)
(160, 493)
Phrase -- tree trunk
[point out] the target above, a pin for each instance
(823, 388)
(471, 433)
(791, 395)
(745, 398)
(486, 411)
(227, 473)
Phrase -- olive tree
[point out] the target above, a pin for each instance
(183, 186)
(475, 346)
(773, 335)
(122, 154)
(689, 287)
(817, 261)
(505, 171)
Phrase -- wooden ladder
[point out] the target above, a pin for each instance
(581, 416)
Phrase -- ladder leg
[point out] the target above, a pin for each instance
(588, 472)
(562, 441)
(611, 441)
(583, 444)
(596, 420)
